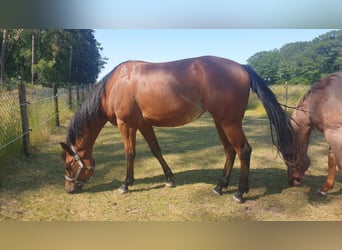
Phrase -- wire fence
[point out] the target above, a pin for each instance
(10, 121)
(24, 121)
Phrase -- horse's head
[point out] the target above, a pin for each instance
(296, 170)
(295, 155)
(78, 169)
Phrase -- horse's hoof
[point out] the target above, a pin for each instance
(217, 191)
(123, 189)
(170, 184)
(320, 192)
(238, 198)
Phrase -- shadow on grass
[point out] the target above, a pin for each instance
(45, 168)
(273, 180)
(315, 183)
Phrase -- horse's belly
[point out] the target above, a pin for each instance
(171, 115)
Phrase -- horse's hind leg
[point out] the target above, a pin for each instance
(151, 139)
(330, 182)
(236, 137)
(230, 158)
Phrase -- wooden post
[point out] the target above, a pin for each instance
(24, 117)
(83, 94)
(32, 57)
(70, 95)
(77, 94)
(55, 97)
(286, 94)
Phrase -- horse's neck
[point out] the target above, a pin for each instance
(85, 143)
(300, 122)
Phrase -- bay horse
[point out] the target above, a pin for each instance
(138, 95)
(320, 109)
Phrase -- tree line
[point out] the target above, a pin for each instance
(50, 55)
(301, 62)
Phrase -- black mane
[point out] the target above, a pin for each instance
(90, 111)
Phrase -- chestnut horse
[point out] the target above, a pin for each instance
(138, 95)
(320, 109)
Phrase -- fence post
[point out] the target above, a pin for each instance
(24, 117)
(82, 92)
(70, 95)
(55, 97)
(286, 94)
(77, 94)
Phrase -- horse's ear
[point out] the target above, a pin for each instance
(67, 148)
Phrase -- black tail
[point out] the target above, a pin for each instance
(278, 118)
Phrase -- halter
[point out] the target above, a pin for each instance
(80, 163)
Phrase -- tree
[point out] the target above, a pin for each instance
(266, 64)
(2, 56)
(74, 57)
(329, 47)
(291, 61)
(18, 54)
(9, 39)
(301, 62)
(86, 59)
(51, 55)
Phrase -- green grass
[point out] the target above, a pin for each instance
(41, 113)
(10, 125)
(32, 188)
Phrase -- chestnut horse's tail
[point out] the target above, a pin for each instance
(277, 116)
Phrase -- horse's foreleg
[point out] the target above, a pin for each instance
(151, 139)
(129, 138)
(333, 137)
(330, 182)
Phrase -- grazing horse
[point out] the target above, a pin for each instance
(319, 109)
(138, 95)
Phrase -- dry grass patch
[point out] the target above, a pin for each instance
(32, 188)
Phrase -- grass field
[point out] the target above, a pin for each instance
(33, 188)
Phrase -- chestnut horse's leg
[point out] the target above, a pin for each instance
(129, 138)
(334, 138)
(151, 139)
(230, 158)
(237, 138)
(330, 182)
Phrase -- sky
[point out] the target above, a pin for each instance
(160, 45)
(183, 13)
(167, 30)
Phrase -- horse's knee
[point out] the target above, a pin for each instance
(130, 156)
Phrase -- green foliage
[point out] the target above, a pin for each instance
(301, 62)
(59, 55)
(267, 63)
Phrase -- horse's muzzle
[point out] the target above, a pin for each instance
(293, 181)
(73, 189)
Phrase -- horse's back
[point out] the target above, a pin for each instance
(325, 102)
(175, 93)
